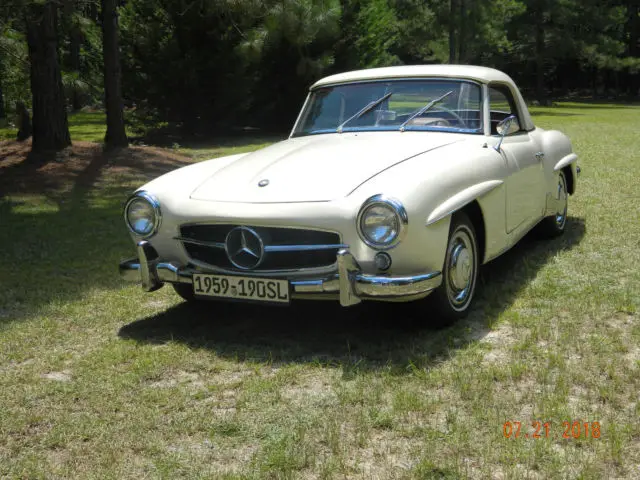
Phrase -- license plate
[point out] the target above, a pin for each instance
(241, 288)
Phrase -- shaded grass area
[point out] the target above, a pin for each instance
(99, 379)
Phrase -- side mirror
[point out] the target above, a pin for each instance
(506, 127)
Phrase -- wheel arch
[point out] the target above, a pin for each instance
(473, 210)
(571, 181)
(469, 202)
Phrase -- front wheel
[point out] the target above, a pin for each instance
(452, 299)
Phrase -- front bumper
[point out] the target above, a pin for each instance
(350, 285)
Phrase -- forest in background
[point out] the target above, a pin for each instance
(196, 65)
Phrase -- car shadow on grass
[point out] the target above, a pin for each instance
(368, 336)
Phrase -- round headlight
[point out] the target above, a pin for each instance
(382, 222)
(142, 214)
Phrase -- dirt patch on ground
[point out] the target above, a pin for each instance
(64, 376)
(180, 377)
(78, 166)
(312, 390)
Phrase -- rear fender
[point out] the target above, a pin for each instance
(569, 164)
(563, 162)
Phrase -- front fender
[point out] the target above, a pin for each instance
(434, 185)
(460, 199)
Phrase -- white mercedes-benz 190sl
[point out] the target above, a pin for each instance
(395, 184)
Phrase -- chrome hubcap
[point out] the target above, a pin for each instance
(561, 196)
(460, 268)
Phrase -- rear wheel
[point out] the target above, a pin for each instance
(452, 299)
(555, 225)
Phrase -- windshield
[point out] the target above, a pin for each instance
(432, 105)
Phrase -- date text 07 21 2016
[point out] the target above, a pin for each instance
(538, 429)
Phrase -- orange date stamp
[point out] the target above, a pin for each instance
(537, 429)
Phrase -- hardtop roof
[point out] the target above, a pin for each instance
(469, 72)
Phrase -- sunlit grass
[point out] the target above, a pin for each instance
(221, 147)
(90, 126)
(7, 131)
(86, 126)
(99, 379)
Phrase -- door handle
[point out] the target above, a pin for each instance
(540, 155)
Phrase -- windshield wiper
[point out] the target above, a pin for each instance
(425, 108)
(366, 109)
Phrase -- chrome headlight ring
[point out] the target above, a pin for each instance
(154, 221)
(401, 220)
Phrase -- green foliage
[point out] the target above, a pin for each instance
(288, 50)
(422, 28)
(204, 64)
(14, 67)
(227, 59)
(377, 34)
(79, 18)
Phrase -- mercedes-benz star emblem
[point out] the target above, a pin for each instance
(244, 248)
(263, 183)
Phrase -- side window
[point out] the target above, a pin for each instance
(501, 105)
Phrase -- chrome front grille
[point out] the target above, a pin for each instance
(283, 248)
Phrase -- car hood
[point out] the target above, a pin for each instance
(315, 168)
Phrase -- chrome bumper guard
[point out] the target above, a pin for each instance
(349, 283)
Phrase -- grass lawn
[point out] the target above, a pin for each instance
(100, 380)
(86, 126)
(89, 126)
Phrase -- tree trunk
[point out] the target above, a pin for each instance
(116, 136)
(3, 112)
(462, 33)
(633, 15)
(50, 124)
(633, 47)
(453, 7)
(539, 22)
(25, 128)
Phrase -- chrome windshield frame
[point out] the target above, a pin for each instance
(481, 110)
